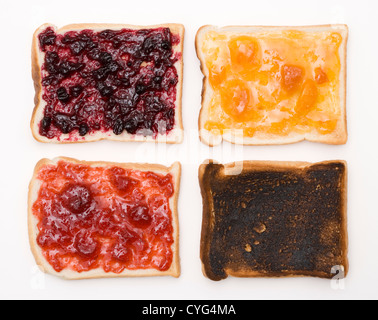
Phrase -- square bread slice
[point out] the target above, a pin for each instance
(273, 85)
(108, 82)
(102, 219)
(274, 219)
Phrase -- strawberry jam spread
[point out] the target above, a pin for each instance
(110, 81)
(107, 218)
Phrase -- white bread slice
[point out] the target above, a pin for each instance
(34, 188)
(338, 137)
(174, 136)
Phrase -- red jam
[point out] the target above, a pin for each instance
(104, 217)
(109, 81)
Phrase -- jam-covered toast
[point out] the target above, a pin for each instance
(273, 85)
(108, 81)
(101, 219)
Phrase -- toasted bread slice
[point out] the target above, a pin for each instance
(274, 219)
(65, 258)
(39, 71)
(263, 111)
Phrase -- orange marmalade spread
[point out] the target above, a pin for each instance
(273, 82)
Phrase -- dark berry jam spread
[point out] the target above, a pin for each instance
(119, 81)
(110, 218)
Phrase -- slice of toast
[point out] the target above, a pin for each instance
(102, 219)
(138, 98)
(273, 85)
(274, 219)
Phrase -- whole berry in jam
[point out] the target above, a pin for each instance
(118, 127)
(47, 38)
(83, 129)
(139, 216)
(46, 122)
(76, 198)
(63, 95)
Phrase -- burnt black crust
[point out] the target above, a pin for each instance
(274, 221)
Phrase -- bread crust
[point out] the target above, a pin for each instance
(43, 264)
(209, 214)
(340, 136)
(174, 137)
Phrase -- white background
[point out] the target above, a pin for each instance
(19, 276)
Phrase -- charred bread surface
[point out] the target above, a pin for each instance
(274, 219)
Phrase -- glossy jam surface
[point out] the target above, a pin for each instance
(119, 81)
(273, 82)
(104, 217)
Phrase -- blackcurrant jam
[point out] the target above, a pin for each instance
(113, 80)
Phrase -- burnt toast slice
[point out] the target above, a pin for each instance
(274, 219)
